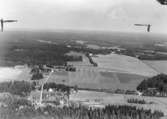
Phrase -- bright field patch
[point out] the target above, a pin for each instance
(159, 66)
(123, 64)
(93, 79)
(10, 73)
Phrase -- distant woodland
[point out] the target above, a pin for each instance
(32, 52)
(17, 48)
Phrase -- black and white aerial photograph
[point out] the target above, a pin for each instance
(83, 59)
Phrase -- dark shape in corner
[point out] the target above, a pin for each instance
(163, 2)
(5, 21)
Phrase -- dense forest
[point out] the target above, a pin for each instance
(154, 84)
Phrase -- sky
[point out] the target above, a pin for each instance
(109, 15)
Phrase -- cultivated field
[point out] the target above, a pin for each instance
(93, 79)
(113, 77)
(104, 80)
(159, 66)
(123, 64)
(87, 76)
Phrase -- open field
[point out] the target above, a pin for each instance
(97, 80)
(11, 73)
(122, 63)
(100, 99)
(104, 80)
(118, 72)
(159, 66)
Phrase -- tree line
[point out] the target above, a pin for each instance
(81, 112)
(154, 85)
(21, 88)
(136, 101)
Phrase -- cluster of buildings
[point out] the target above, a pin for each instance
(49, 97)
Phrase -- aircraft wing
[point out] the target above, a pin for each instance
(10, 21)
(141, 24)
(2, 26)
